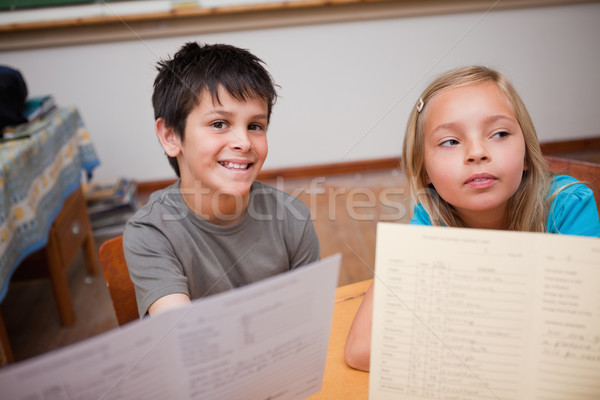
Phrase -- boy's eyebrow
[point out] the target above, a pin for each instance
(226, 113)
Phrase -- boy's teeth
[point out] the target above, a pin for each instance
(235, 166)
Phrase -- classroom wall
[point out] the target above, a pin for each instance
(346, 88)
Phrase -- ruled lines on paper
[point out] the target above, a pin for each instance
(467, 314)
(267, 340)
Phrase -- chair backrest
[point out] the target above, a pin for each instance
(582, 170)
(119, 283)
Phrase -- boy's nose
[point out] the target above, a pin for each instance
(241, 141)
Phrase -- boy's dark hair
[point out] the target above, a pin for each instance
(197, 68)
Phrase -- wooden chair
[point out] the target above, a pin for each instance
(582, 170)
(118, 282)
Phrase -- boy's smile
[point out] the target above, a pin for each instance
(223, 149)
(474, 151)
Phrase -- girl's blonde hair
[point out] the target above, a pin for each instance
(527, 209)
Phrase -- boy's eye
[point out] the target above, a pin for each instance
(449, 142)
(255, 127)
(219, 124)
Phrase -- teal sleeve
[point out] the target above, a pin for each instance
(573, 210)
(420, 216)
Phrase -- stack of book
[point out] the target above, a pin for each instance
(39, 107)
(110, 205)
(36, 109)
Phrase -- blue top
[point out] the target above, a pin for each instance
(573, 210)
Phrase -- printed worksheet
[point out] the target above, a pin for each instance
(267, 340)
(469, 314)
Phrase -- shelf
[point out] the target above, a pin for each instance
(193, 20)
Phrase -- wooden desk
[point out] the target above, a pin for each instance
(340, 381)
(43, 215)
(70, 231)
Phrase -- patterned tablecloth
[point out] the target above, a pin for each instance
(36, 175)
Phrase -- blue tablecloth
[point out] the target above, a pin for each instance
(36, 175)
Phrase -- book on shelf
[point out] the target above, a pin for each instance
(109, 192)
(110, 205)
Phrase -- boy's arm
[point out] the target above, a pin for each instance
(307, 249)
(154, 268)
(167, 302)
(358, 344)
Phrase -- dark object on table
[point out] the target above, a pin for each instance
(13, 93)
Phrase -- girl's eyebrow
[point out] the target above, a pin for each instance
(498, 117)
(445, 125)
(488, 120)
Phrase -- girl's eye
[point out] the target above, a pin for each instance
(500, 134)
(449, 142)
(219, 124)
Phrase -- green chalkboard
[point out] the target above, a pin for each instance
(25, 4)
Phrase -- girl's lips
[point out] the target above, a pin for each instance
(480, 181)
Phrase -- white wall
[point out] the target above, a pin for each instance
(347, 88)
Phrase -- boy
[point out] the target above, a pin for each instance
(216, 228)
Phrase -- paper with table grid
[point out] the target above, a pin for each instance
(267, 340)
(470, 314)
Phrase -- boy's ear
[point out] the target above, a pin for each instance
(169, 140)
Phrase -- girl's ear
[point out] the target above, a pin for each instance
(169, 140)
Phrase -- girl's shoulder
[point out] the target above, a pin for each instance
(420, 216)
(564, 179)
(573, 210)
(565, 186)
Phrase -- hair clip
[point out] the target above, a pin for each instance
(420, 104)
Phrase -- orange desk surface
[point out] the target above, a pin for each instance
(340, 381)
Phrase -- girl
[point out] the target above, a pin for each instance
(472, 159)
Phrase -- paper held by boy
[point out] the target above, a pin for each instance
(471, 314)
(264, 340)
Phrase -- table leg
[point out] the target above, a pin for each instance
(90, 255)
(58, 279)
(6, 354)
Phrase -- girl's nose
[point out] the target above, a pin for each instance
(476, 152)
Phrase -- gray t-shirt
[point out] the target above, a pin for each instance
(169, 249)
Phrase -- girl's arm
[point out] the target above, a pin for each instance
(358, 344)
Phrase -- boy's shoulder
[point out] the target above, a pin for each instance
(166, 198)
